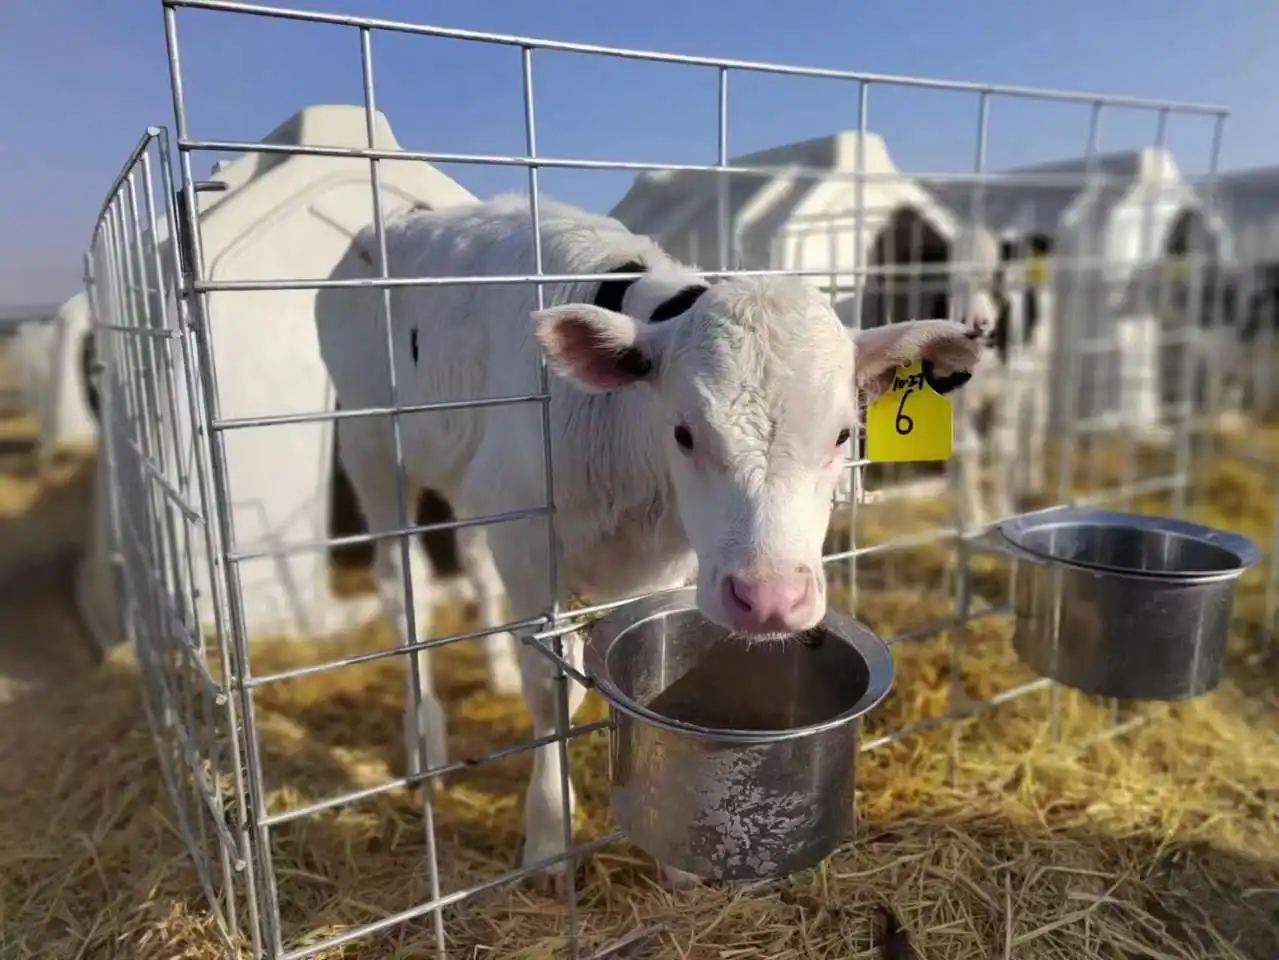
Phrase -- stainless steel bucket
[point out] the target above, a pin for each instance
(732, 759)
(1123, 605)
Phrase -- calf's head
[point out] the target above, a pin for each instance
(755, 396)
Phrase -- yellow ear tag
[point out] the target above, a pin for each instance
(910, 422)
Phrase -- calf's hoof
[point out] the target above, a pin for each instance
(505, 678)
(677, 879)
(551, 882)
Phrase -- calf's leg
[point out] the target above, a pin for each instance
(499, 648)
(519, 554)
(967, 461)
(372, 475)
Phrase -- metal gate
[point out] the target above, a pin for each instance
(170, 492)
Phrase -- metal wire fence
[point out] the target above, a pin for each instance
(177, 561)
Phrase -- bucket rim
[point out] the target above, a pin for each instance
(1015, 530)
(603, 633)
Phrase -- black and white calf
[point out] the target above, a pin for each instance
(1002, 421)
(1233, 355)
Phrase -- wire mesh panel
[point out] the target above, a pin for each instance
(151, 498)
(1066, 245)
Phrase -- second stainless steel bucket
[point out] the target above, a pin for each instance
(1124, 605)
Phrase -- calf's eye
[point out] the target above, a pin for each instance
(843, 437)
(684, 437)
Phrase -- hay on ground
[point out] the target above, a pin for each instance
(1163, 843)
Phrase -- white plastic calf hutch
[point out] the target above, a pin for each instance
(1107, 223)
(282, 217)
(51, 384)
(803, 212)
(1249, 202)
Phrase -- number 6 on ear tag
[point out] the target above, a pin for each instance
(910, 422)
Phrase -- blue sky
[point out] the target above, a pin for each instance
(83, 78)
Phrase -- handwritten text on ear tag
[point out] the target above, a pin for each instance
(910, 422)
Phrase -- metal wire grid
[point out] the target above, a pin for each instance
(169, 487)
(155, 504)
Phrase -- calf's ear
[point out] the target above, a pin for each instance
(949, 351)
(596, 349)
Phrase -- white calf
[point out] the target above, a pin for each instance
(696, 430)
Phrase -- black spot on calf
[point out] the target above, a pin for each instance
(1002, 333)
(611, 292)
(674, 306)
(1003, 321)
(947, 384)
(1030, 313)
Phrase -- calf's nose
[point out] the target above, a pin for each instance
(776, 602)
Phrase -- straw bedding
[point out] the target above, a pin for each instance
(1162, 843)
